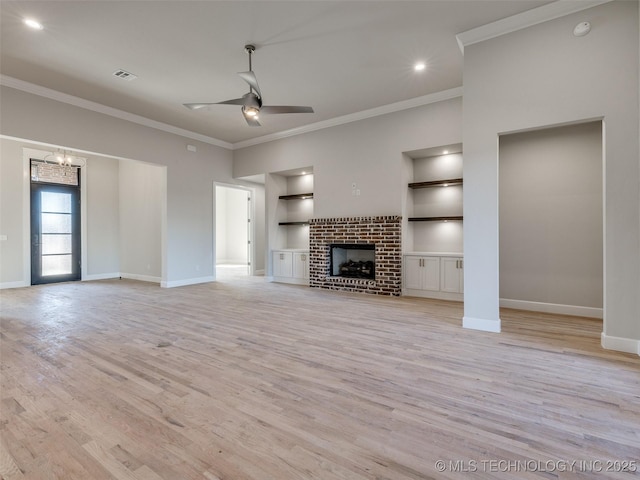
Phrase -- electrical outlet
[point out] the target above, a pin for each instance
(3, 238)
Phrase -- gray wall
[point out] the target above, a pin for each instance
(367, 152)
(141, 199)
(551, 216)
(544, 76)
(11, 214)
(103, 217)
(188, 254)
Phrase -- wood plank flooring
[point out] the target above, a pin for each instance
(250, 380)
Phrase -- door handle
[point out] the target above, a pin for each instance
(35, 240)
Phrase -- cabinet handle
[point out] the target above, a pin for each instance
(282, 256)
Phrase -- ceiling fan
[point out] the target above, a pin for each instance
(252, 102)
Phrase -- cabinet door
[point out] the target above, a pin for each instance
(422, 273)
(282, 264)
(300, 265)
(451, 274)
(413, 272)
(431, 273)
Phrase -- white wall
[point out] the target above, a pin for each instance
(231, 225)
(141, 200)
(436, 202)
(544, 76)
(298, 210)
(188, 222)
(551, 218)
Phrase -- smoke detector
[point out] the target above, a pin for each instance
(582, 29)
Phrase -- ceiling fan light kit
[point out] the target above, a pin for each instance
(252, 101)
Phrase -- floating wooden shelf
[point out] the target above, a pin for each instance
(434, 219)
(436, 183)
(297, 196)
(294, 223)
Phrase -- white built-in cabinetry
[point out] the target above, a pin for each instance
(290, 241)
(291, 266)
(433, 260)
(433, 275)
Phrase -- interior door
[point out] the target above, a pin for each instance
(55, 233)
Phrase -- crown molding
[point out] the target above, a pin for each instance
(547, 12)
(354, 117)
(113, 112)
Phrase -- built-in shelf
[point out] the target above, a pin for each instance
(294, 223)
(297, 196)
(434, 219)
(436, 183)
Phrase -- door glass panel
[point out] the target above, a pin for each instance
(56, 244)
(56, 202)
(56, 265)
(56, 223)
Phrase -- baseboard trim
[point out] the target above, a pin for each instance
(483, 324)
(620, 344)
(291, 280)
(259, 273)
(187, 281)
(559, 309)
(20, 284)
(437, 295)
(101, 276)
(142, 278)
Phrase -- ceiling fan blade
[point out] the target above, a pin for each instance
(285, 109)
(251, 79)
(198, 106)
(252, 121)
(235, 101)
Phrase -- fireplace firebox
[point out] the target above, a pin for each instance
(353, 260)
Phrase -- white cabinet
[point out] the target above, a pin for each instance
(282, 264)
(301, 265)
(422, 273)
(451, 275)
(290, 266)
(433, 275)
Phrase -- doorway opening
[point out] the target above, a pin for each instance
(234, 232)
(551, 220)
(55, 223)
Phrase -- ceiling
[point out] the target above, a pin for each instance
(340, 57)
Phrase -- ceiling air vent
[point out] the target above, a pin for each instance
(124, 75)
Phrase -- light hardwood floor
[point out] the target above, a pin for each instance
(253, 380)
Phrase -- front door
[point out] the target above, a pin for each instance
(55, 233)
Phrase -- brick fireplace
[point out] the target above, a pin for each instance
(383, 232)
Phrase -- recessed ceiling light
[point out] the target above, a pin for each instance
(30, 22)
(445, 152)
(420, 66)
